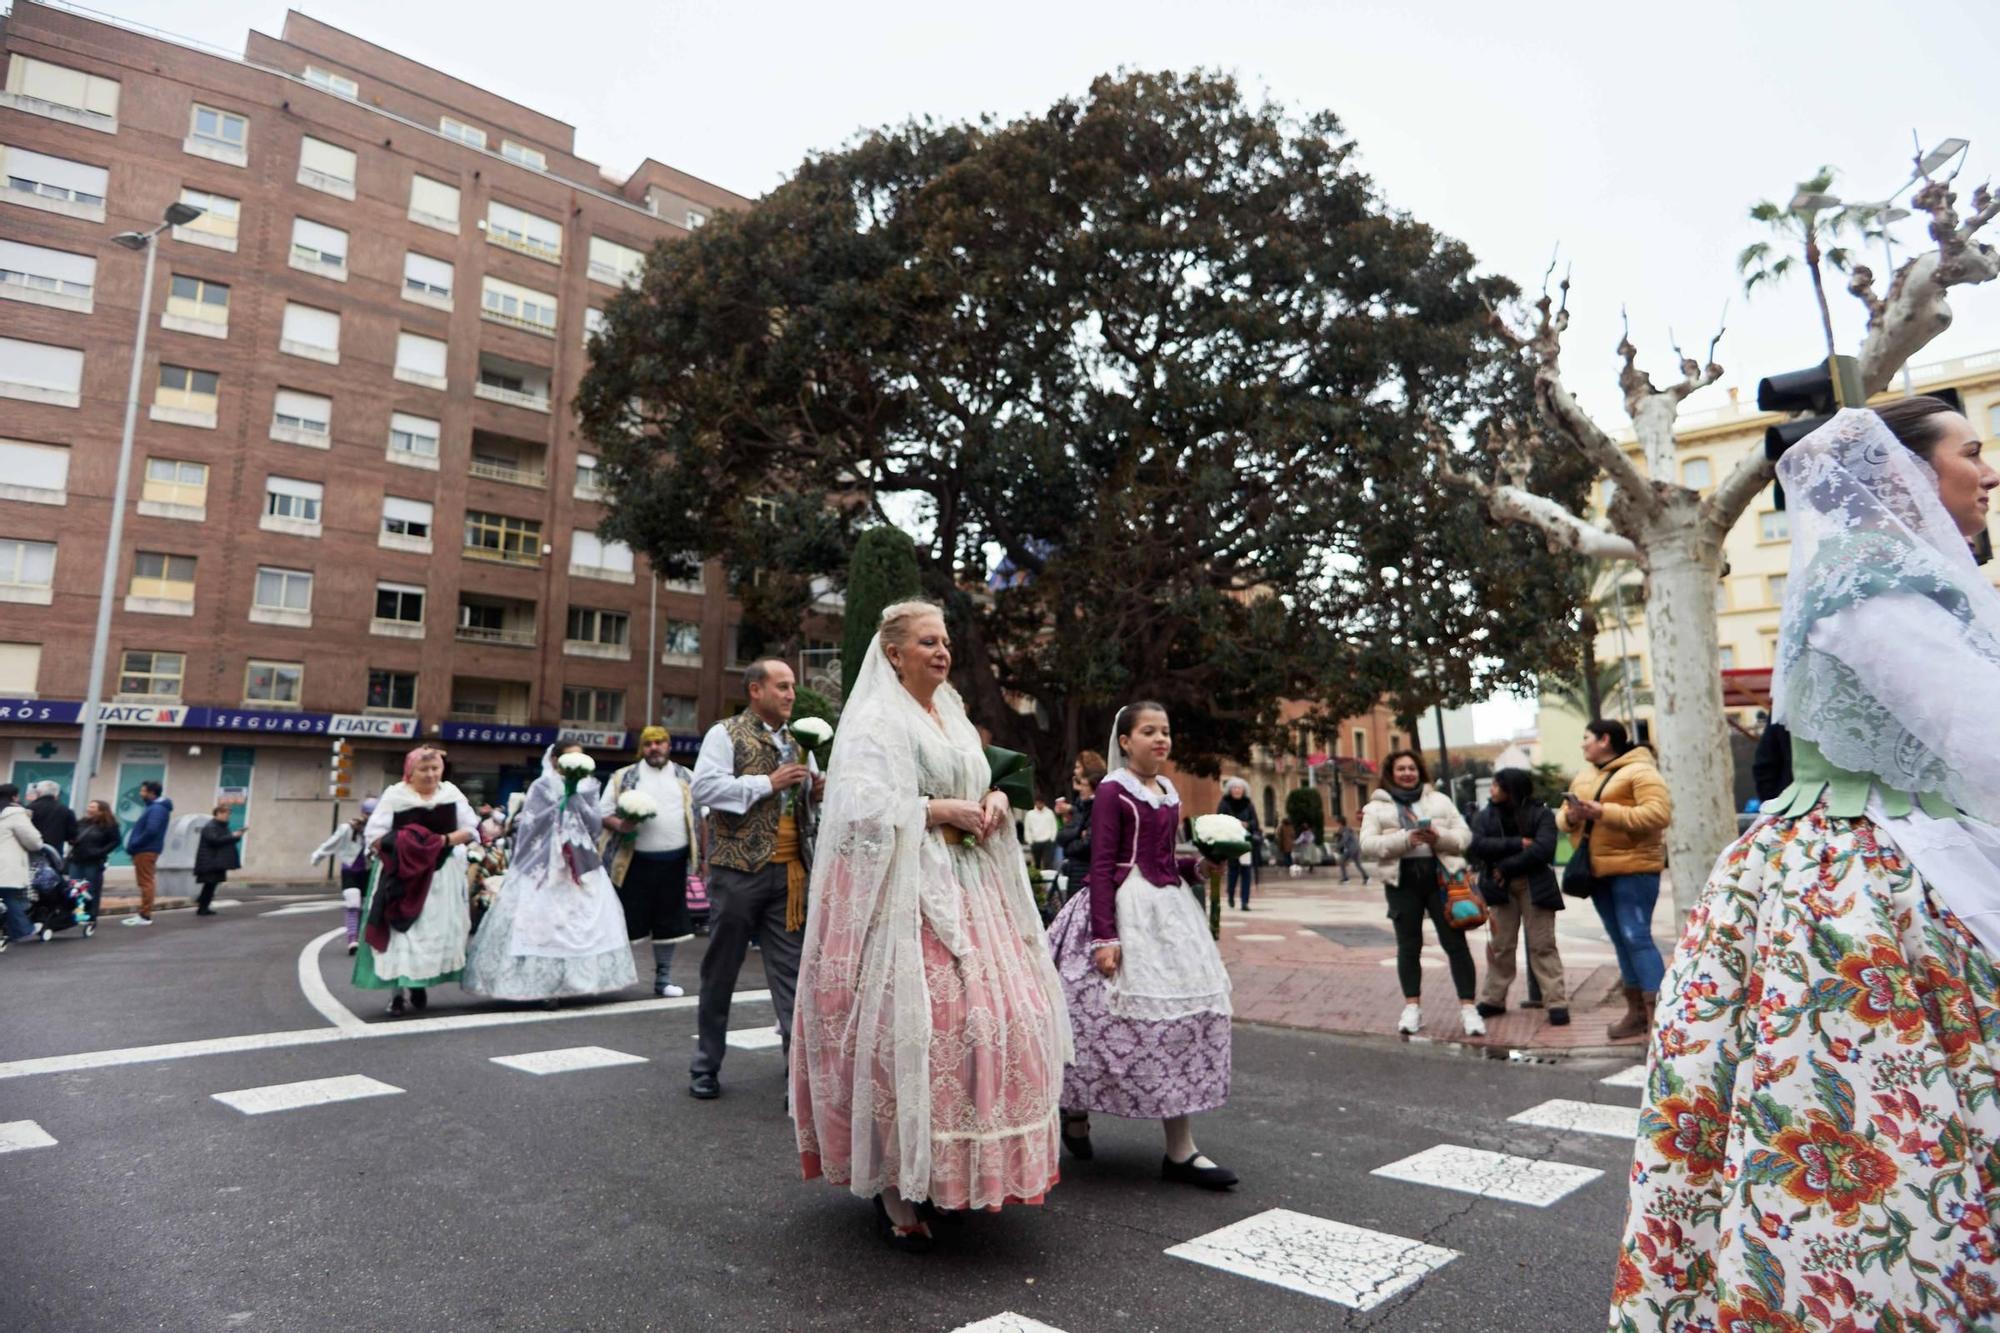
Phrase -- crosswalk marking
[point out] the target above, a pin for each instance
(1618, 1122)
(1635, 1077)
(312, 1092)
(300, 909)
(1008, 1322)
(567, 1060)
(20, 1135)
(1490, 1175)
(1260, 939)
(748, 1039)
(1334, 1261)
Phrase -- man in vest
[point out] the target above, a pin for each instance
(758, 792)
(649, 861)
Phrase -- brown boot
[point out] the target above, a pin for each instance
(1638, 1018)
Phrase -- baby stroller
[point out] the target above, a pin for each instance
(697, 900)
(57, 902)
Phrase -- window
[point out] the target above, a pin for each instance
(593, 708)
(294, 500)
(413, 435)
(176, 481)
(503, 537)
(337, 84)
(283, 589)
(434, 204)
(594, 557)
(683, 642)
(1360, 739)
(677, 712)
(420, 360)
(143, 674)
(614, 263)
(426, 278)
(27, 564)
(519, 306)
(593, 323)
(523, 231)
(696, 220)
(610, 628)
(406, 518)
(1774, 525)
(1697, 474)
(311, 332)
(162, 577)
(38, 473)
(47, 89)
(20, 669)
(400, 602)
(318, 248)
(1774, 590)
(42, 276)
(392, 690)
(326, 166)
(202, 302)
(223, 136)
(459, 130)
(55, 184)
(1632, 672)
(273, 682)
(1726, 655)
(216, 227)
(526, 156)
(588, 487)
(306, 418)
(182, 389)
(41, 373)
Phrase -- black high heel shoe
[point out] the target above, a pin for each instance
(916, 1240)
(1078, 1144)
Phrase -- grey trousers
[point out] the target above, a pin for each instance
(739, 904)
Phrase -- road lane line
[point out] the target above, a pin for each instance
(267, 1041)
(311, 1092)
(315, 988)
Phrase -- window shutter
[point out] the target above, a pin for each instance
(328, 159)
(41, 365)
(57, 171)
(313, 328)
(42, 466)
(423, 355)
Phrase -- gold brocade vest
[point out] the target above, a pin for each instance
(745, 842)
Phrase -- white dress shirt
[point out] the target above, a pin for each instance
(716, 783)
(665, 831)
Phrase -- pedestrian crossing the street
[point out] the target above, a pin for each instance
(20, 1135)
(311, 1092)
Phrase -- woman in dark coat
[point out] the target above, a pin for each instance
(1073, 839)
(1514, 845)
(215, 855)
(1237, 804)
(98, 835)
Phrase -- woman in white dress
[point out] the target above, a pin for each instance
(416, 917)
(555, 927)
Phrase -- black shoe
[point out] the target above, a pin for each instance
(1558, 1017)
(706, 1087)
(1078, 1144)
(1486, 1010)
(204, 911)
(420, 999)
(1531, 1004)
(396, 1003)
(1187, 1173)
(915, 1241)
(353, 949)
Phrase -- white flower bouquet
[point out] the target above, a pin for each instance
(635, 808)
(574, 768)
(813, 733)
(1220, 838)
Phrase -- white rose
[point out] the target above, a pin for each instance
(813, 731)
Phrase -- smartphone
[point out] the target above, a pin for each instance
(1423, 823)
(1571, 798)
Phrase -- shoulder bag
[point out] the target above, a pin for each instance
(1578, 881)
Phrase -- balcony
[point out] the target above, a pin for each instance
(501, 702)
(515, 383)
(502, 622)
(502, 458)
(521, 245)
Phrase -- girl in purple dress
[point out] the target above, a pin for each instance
(1148, 995)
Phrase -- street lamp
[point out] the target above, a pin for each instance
(91, 743)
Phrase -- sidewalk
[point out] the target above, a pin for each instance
(1313, 953)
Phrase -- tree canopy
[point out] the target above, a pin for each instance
(1145, 376)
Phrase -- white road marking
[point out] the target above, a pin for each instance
(1260, 939)
(226, 902)
(20, 1135)
(1635, 1077)
(267, 1041)
(753, 1039)
(300, 909)
(1617, 1122)
(567, 1060)
(1008, 1322)
(312, 1092)
(1490, 1175)
(1347, 1265)
(314, 985)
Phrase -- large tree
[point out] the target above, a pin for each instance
(1144, 374)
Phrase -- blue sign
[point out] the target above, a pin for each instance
(496, 733)
(39, 710)
(257, 719)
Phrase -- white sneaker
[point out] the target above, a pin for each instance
(137, 921)
(671, 991)
(1412, 1020)
(1475, 1026)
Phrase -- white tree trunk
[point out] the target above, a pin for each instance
(1690, 729)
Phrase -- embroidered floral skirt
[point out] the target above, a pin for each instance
(1819, 1144)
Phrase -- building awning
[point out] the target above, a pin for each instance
(1750, 688)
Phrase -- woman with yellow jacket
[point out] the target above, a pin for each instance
(1622, 802)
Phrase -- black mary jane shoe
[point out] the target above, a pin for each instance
(1078, 1144)
(1187, 1173)
(916, 1240)
(396, 1003)
(420, 998)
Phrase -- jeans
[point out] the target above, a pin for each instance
(1625, 905)
(16, 901)
(1243, 875)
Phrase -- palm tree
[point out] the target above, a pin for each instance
(1815, 223)
(1587, 696)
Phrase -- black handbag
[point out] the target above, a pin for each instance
(1578, 881)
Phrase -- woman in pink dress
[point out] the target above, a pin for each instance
(930, 1035)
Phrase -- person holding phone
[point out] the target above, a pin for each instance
(1415, 836)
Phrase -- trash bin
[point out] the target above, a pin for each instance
(176, 864)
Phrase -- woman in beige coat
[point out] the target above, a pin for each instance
(1415, 837)
(1621, 800)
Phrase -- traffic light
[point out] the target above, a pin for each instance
(341, 773)
(1818, 391)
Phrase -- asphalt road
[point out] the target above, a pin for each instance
(482, 1196)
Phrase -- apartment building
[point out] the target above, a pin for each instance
(359, 505)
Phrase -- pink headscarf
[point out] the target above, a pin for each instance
(415, 756)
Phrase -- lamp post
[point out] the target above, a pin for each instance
(91, 743)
